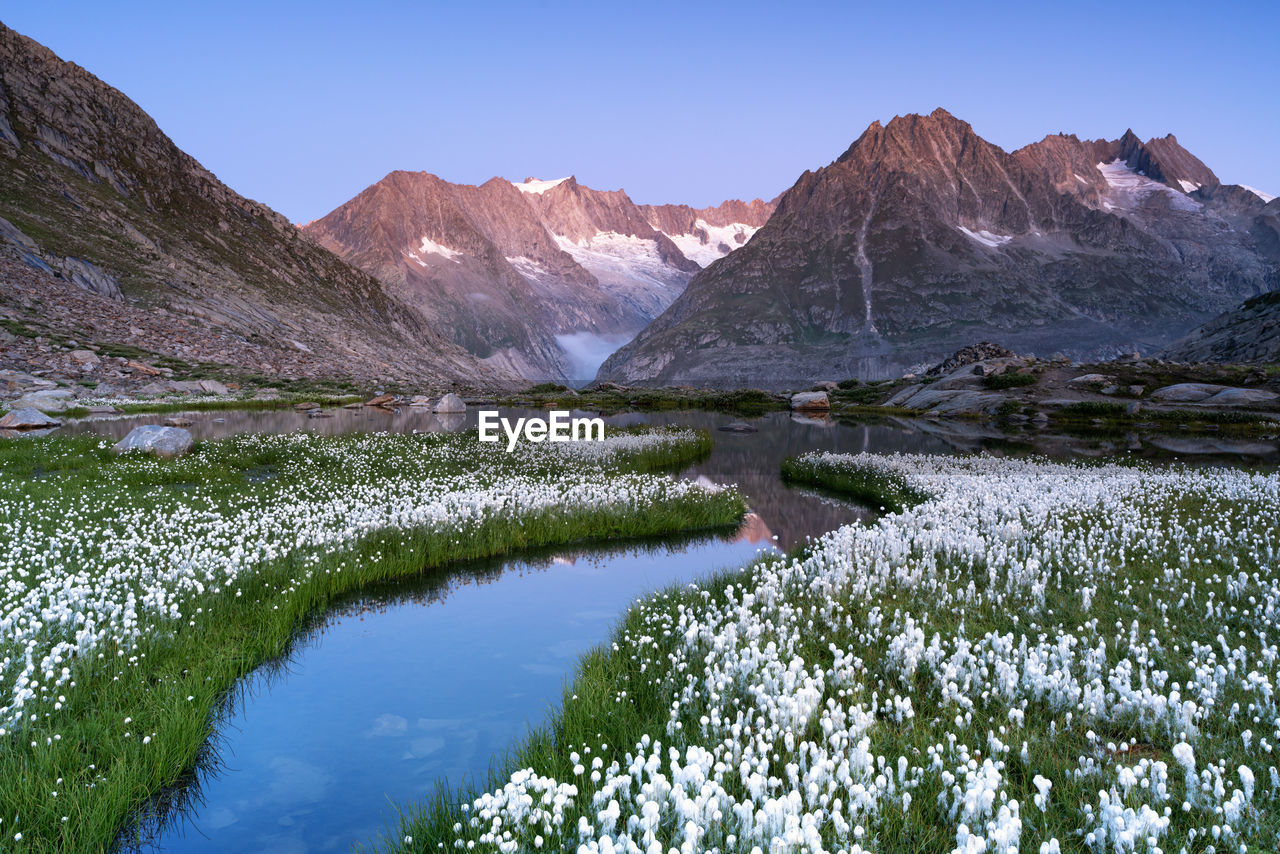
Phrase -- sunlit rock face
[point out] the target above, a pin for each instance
(923, 237)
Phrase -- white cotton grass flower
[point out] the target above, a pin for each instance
(771, 746)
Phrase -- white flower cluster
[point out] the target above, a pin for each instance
(947, 670)
(89, 573)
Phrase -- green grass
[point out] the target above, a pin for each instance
(1009, 379)
(864, 485)
(1116, 417)
(174, 680)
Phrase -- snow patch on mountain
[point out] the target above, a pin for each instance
(1188, 186)
(1266, 197)
(533, 185)
(610, 256)
(1128, 189)
(430, 247)
(710, 241)
(987, 238)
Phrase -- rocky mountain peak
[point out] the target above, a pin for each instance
(923, 237)
(1166, 161)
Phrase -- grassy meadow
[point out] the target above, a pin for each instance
(138, 591)
(1022, 656)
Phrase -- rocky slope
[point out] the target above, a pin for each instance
(1248, 334)
(923, 237)
(93, 192)
(540, 277)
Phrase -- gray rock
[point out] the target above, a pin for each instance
(420, 400)
(810, 400)
(1091, 379)
(49, 400)
(177, 421)
(903, 395)
(738, 427)
(85, 357)
(213, 387)
(967, 377)
(164, 442)
(157, 387)
(12, 234)
(89, 277)
(1186, 392)
(1241, 397)
(27, 418)
(1137, 390)
(826, 385)
(451, 403)
(955, 401)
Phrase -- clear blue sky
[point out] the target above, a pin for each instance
(302, 105)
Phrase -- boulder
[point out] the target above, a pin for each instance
(88, 358)
(166, 442)
(381, 400)
(811, 401)
(1186, 392)
(1092, 379)
(302, 407)
(177, 421)
(27, 418)
(738, 427)
(826, 385)
(451, 403)
(143, 368)
(49, 400)
(1240, 397)
(213, 387)
(420, 400)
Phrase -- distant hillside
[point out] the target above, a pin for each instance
(91, 190)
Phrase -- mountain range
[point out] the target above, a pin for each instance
(919, 239)
(541, 278)
(923, 237)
